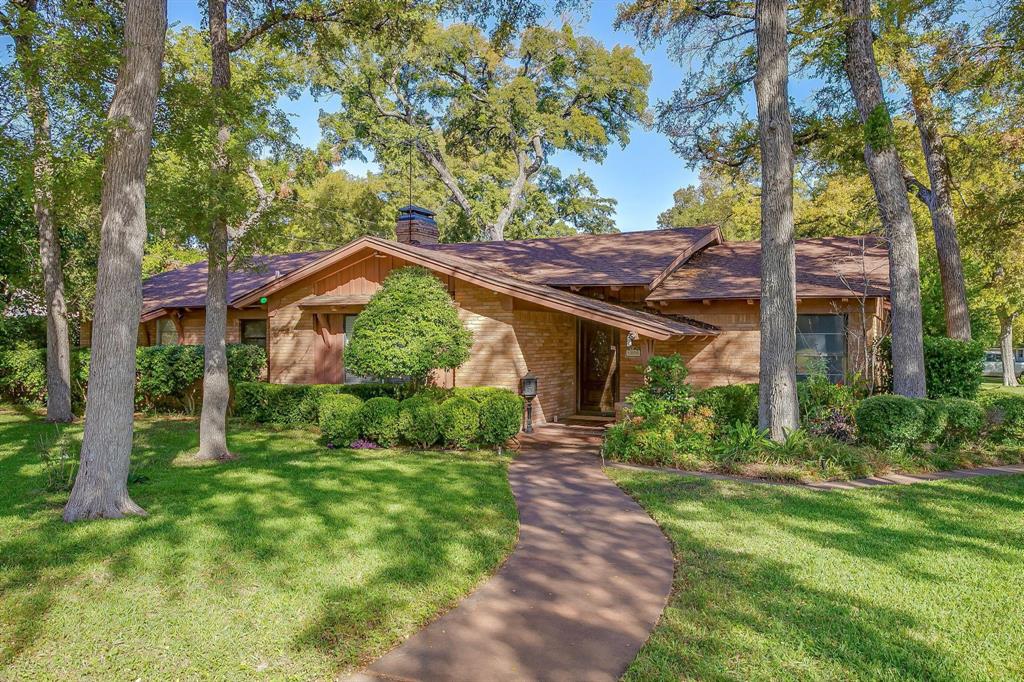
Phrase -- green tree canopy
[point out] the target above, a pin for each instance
(483, 115)
(409, 328)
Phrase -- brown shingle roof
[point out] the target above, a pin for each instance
(624, 258)
(186, 287)
(826, 267)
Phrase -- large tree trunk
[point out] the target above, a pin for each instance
(939, 200)
(58, 347)
(779, 409)
(1006, 348)
(886, 173)
(101, 487)
(216, 391)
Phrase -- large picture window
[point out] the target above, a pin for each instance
(254, 333)
(821, 342)
(166, 332)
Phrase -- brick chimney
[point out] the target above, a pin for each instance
(416, 225)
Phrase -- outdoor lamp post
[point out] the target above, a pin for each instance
(528, 389)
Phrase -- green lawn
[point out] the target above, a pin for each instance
(920, 582)
(997, 387)
(293, 561)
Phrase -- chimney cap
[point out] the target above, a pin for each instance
(416, 210)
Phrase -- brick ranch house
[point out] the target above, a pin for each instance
(582, 313)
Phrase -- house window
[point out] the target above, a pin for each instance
(166, 332)
(254, 333)
(821, 345)
(351, 378)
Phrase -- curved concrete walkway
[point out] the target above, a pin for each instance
(576, 599)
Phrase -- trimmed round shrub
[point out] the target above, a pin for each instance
(934, 420)
(501, 417)
(964, 419)
(1006, 414)
(459, 421)
(378, 421)
(731, 404)
(417, 421)
(339, 418)
(410, 328)
(888, 420)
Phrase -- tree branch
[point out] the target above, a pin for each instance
(920, 190)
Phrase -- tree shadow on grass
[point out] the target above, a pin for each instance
(765, 584)
(378, 540)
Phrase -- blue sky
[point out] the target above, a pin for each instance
(641, 177)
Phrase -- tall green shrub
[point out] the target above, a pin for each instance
(409, 328)
(664, 390)
(952, 367)
(23, 375)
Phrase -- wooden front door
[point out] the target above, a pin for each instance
(597, 358)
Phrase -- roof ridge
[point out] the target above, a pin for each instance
(567, 237)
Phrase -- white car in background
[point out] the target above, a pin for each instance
(993, 365)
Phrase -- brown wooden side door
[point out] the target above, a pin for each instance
(597, 357)
(327, 351)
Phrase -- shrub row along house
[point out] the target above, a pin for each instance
(583, 314)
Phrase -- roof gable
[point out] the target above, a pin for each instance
(482, 274)
(829, 267)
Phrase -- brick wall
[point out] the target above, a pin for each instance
(732, 356)
(510, 341)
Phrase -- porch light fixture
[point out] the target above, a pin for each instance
(528, 389)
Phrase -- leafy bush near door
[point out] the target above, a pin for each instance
(731, 404)
(664, 390)
(501, 417)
